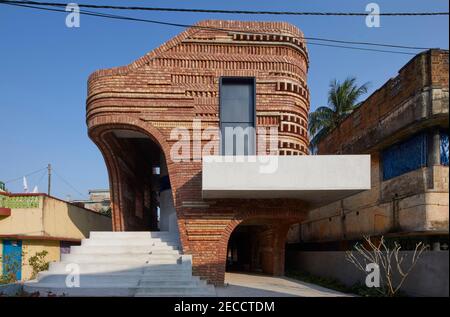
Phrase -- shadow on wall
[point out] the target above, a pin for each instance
(86, 221)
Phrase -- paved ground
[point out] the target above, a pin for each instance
(251, 285)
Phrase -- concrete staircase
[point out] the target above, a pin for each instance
(122, 264)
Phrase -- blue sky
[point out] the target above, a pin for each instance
(44, 67)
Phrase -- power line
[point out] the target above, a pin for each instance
(362, 48)
(120, 17)
(221, 11)
(41, 178)
(68, 184)
(367, 43)
(26, 175)
(99, 14)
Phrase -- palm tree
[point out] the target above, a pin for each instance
(342, 100)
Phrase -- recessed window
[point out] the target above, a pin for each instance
(405, 156)
(237, 116)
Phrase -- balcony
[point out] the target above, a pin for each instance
(315, 179)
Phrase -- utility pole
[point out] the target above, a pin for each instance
(49, 169)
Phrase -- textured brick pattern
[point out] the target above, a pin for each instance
(178, 82)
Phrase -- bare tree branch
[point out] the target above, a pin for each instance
(391, 261)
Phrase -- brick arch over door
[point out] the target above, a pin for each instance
(282, 220)
(99, 127)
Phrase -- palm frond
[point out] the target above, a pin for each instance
(342, 100)
(319, 119)
(319, 136)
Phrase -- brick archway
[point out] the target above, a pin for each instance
(100, 129)
(281, 222)
(160, 91)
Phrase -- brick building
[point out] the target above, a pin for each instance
(222, 74)
(404, 127)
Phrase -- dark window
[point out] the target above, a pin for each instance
(237, 116)
(65, 246)
(404, 157)
(444, 148)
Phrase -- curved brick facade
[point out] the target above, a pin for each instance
(177, 83)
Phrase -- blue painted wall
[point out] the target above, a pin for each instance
(12, 258)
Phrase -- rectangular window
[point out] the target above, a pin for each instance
(444, 147)
(405, 156)
(237, 116)
(64, 246)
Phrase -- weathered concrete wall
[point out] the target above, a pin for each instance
(402, 204)
(430, 276)
(415, 202)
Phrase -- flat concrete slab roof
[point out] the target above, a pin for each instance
(316, 179)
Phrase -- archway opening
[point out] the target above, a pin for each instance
(140, 187)
(257, 246)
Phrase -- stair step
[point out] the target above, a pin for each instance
(123, 264)
(114, 249)
(123, 268)
(129, 242)
(105, 278)
(131, 234)
(122, 258)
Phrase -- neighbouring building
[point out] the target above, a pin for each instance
(31, 223)
(404, 127)
(99, 201)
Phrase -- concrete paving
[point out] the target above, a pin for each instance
(252, 285)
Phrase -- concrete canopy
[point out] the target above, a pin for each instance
(315, 179)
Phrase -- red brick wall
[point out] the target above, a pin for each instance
(179, 82)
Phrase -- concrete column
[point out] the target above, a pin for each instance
(434, 149)
(167, 213)
(434, 154)
(273, 253)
